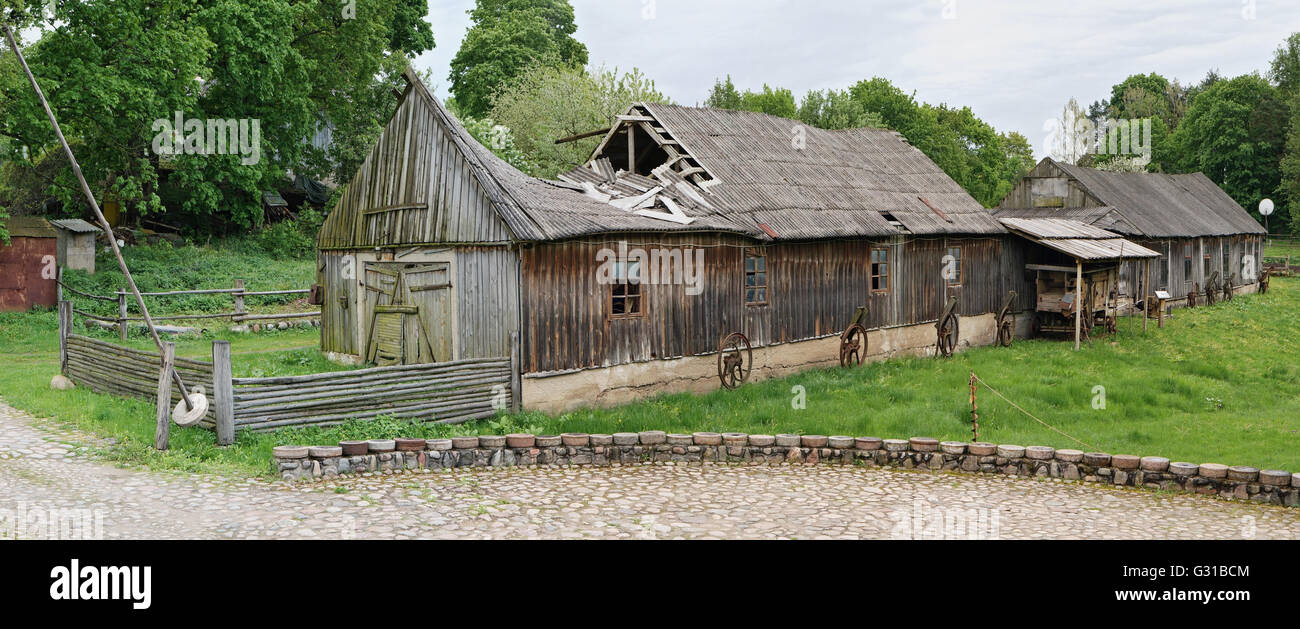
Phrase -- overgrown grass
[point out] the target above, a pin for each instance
(1217, 383)
(163, 267)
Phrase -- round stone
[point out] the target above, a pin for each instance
(735, 439)
(439, 445)
(382, 445)
(869, 443)
(1243, 473)
(1125, 461)
(813, 441)
(761, 441)
(924, 444)
(1096, 459)
(464, 443)
(982, 449)
(290, 452)
(602, 440)
(679, 439)
(1181, 468)
(520, 440)
(1040, 453)
(61, 383)
(788, 441)
(1277, 478)
(327, 452)
(575, 439)
(652, 437)
(953, 447)
(491, 441)
(896, 445)
(1295, 480)
(1011, 452)
(410, 445)
(839, 442)
(1069, 456)
(626, 438)
(355, 448)
(1214, 470)
(707, 438)
(546, 441)
(1154, 464)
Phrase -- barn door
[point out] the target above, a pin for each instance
(338, 330)
(409, 305)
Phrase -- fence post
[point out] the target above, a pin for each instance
(163, 426)
(223, 393)
(65, 328)
(121, 313)
(239, 298)
(516, 378)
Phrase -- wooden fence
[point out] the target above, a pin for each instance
(451, 392)
(238, 294)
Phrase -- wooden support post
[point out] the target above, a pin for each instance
(1078, 302)
(58, 284)
(974, 412)
(163, 425)
(121, 314)
(65, 328)
(516, 376)
(631, 148)
(223, 393)
(1146, 294)
(239, 297)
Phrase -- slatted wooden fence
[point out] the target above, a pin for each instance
(450, 392)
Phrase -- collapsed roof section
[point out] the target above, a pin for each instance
(1077, 239)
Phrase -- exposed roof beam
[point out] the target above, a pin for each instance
(580, 136)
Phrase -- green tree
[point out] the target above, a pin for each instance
(774, 101)
(113, 70)
(834, 109)
(1235, 132)
(505, 39)
(1290, 167)
(549, 103)
(1284, 70)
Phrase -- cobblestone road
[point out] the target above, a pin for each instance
(40, 472)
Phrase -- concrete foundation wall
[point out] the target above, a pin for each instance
(620, 384)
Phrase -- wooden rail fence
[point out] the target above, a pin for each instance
(450, 392)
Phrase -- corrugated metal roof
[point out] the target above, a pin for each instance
(1044, 228)
(1158, 205)
(1098, 250)
(828, 184)
(1105, 217)
(75, 225)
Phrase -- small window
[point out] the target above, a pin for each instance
(953, 273)
(755, 279)
(1187, 262)
(625, 299)
(1205, 261)
(1227, 259)
(880, 270)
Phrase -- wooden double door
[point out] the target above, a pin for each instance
(409, 307)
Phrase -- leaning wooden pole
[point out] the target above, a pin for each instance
(1078, 302)
(94, 205)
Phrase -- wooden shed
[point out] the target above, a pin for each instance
(76, 243)
(1203, 236)
(28, 265)
(687, 226)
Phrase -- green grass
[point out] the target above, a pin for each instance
(1218, 384)
(1280, 249)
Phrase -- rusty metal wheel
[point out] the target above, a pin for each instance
(1210, 296)
(1191, 297)
(735, 360)
(949, 331)
(1007, 331)
(1263, 283)
(853, 345)
(1112, 325)
(1227, 291)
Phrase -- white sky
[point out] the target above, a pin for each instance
(1014, 62)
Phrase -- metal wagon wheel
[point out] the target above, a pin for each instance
(1210, 297)
(1191, 297)
(735, 360)
(1112, 324)
(853, 345)
(949, 329)
(1227, 289)
(1263, 282)
(1007, 322)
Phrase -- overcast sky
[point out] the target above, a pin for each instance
(1014, 62)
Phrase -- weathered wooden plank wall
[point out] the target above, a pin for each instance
(413, 188)
(449, 392)
(127, 372)
(487, 300)
(814, 289)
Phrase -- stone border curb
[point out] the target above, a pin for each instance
(295, 462)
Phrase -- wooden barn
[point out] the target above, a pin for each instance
(1206, 241)
(695, 247)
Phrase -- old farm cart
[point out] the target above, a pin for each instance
(1075, 270)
